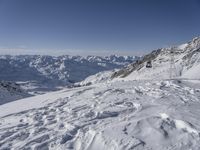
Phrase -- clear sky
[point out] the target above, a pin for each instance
(96, 26)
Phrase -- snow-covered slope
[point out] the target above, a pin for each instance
(120, 115)
(104, 76)
(47, 72)
(10, 92)
(176, 62)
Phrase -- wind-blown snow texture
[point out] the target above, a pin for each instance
(117, 115)
(152, 113)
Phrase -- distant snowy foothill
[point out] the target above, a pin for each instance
(10, 91)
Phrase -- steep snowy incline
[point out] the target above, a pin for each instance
(119, 115)
(10, 92)
(176, 62)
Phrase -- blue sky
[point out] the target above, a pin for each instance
(100, 27)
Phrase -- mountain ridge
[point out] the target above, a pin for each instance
(184, 59)
(137, 110)
(47, 73)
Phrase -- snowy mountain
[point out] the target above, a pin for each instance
(10, 91)
(47, 73)
(134, 108)
(176, 62)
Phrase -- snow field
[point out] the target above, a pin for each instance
(119, 115)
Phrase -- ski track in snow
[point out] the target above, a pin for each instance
(116, 116)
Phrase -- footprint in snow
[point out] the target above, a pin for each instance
(69, 135)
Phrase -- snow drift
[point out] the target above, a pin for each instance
(120, 115)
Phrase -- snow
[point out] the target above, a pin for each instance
(183, 46)
(37, 75)
(174, 62)
(10, 91)
(139, 109)
(41, 74)
(97, 78)
(185, 126)
(118, 115)
(31, 103)
(193, 73)
(164, 116)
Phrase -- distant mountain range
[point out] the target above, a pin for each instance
(37, 73)
(153, 103)
(40, 74)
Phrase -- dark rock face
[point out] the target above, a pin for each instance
(137, 65)
(10, 91)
